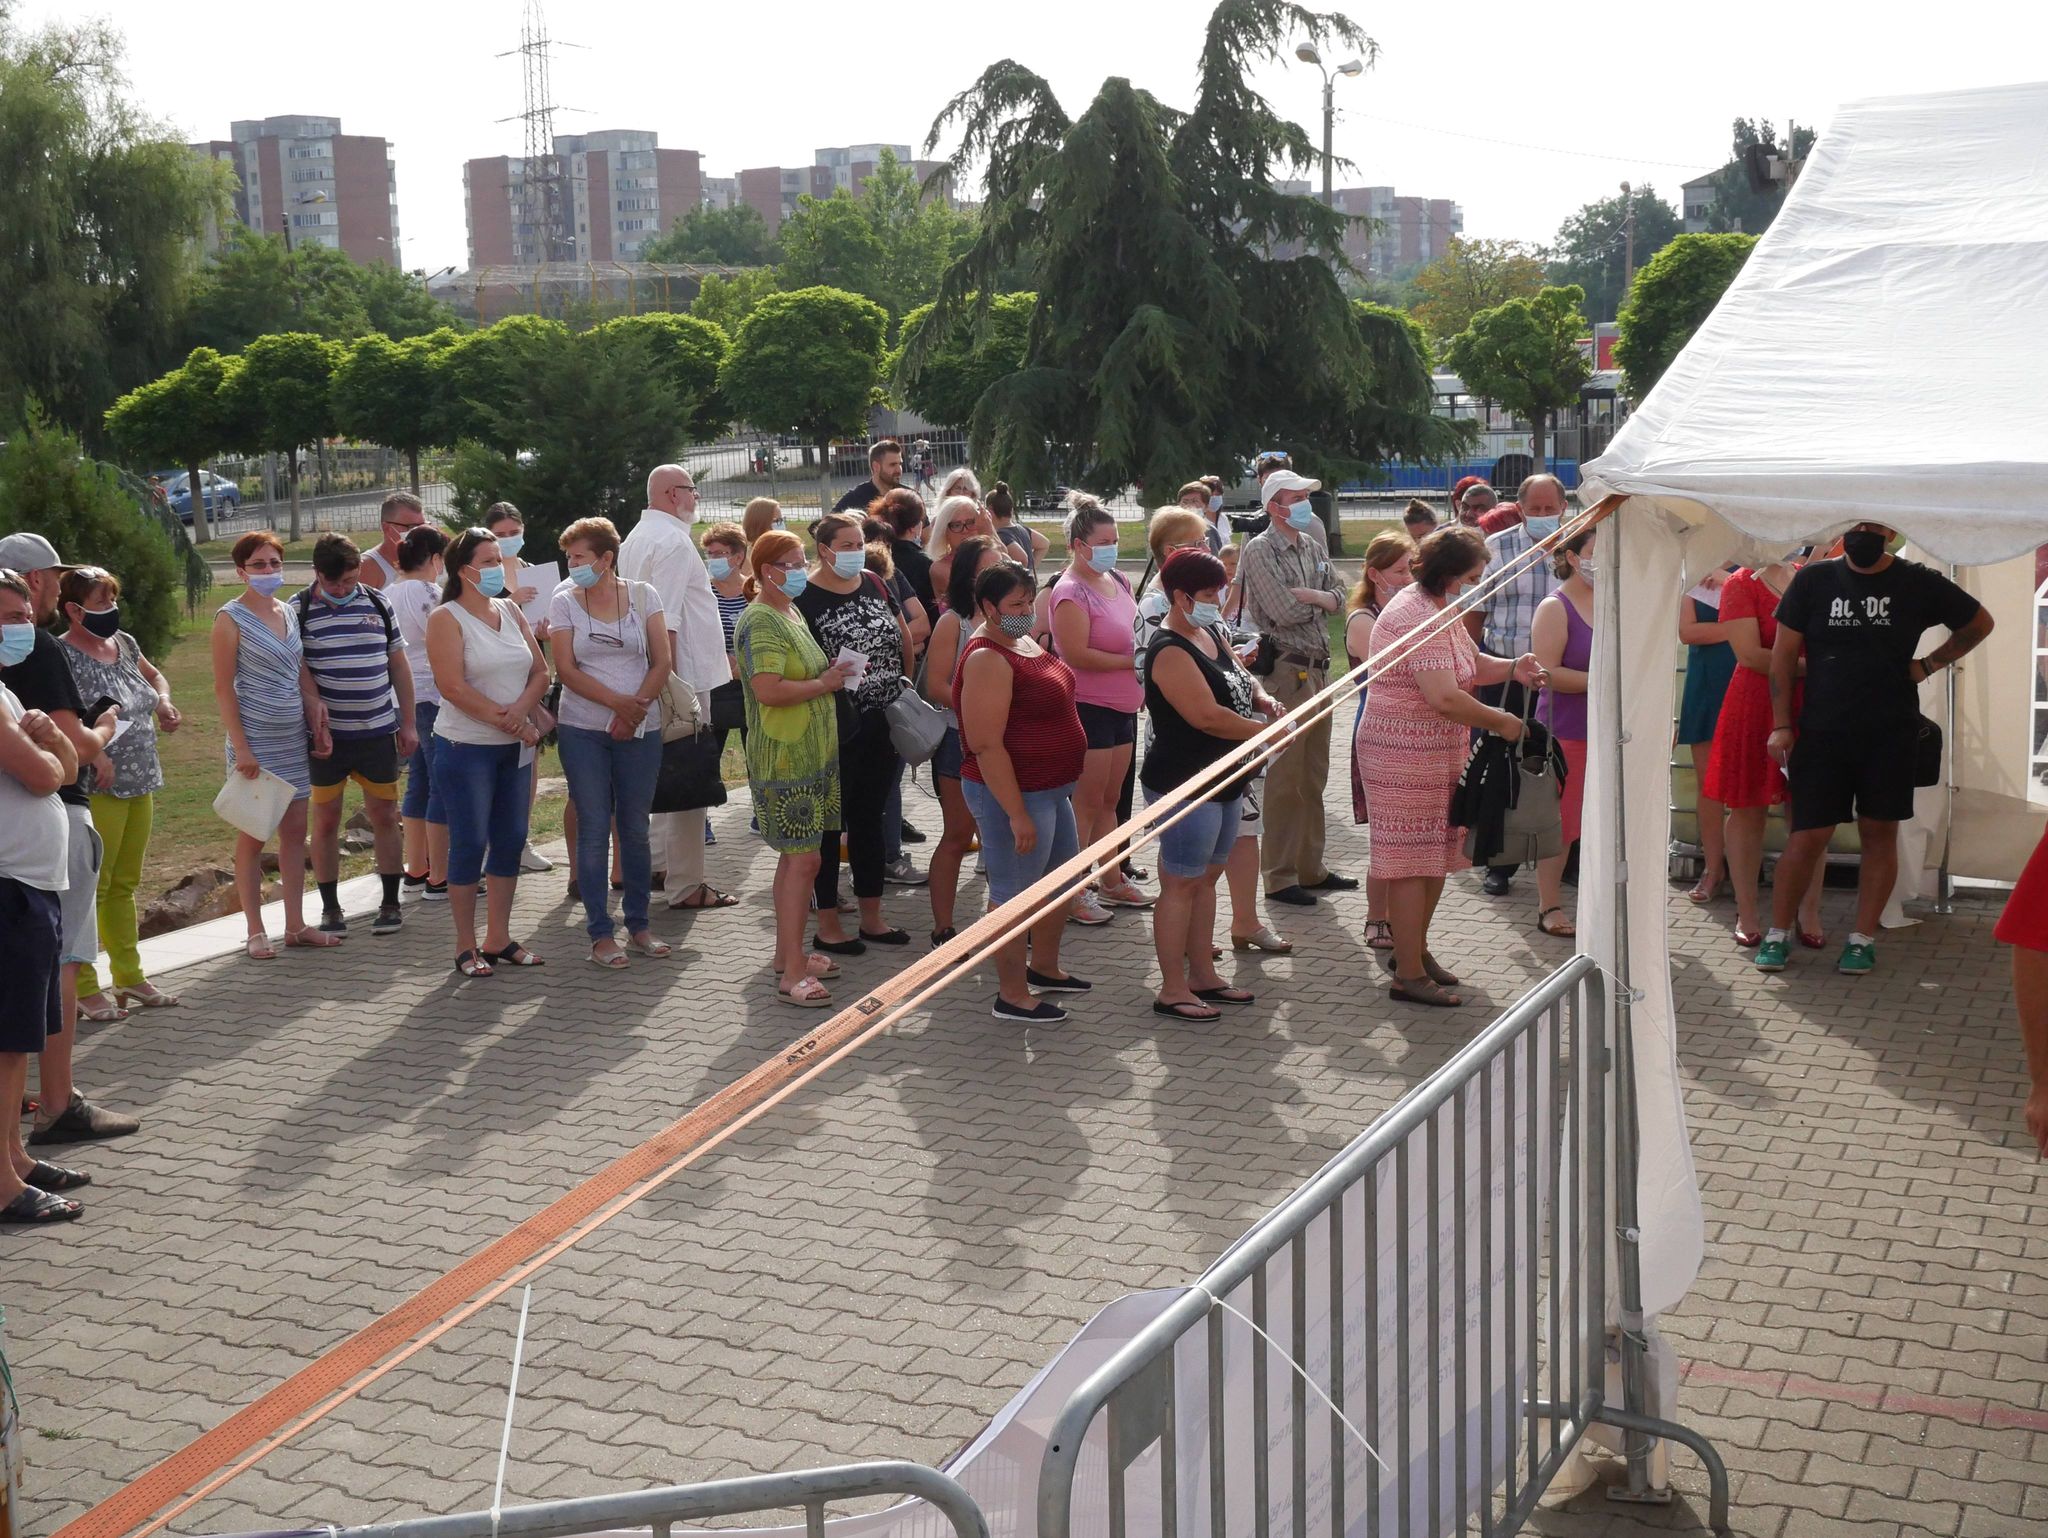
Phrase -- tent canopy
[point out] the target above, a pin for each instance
(1880, 356)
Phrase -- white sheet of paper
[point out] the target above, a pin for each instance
(543, 577)
(1710, 596)
(121, 725)
(855, 663)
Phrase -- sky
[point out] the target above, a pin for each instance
(1519, 113)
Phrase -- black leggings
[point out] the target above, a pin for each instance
(867, 768)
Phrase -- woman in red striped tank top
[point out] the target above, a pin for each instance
(1022, 750)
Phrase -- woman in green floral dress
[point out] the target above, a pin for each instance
(792, 751)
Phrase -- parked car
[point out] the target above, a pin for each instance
(221, 495)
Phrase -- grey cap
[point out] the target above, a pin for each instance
(29, 552)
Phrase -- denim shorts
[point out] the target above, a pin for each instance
(1201, 839)
(1106, 727)
(1052, 813)
(946, 762)
(422, 795)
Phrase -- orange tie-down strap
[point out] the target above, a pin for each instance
(209, 1462)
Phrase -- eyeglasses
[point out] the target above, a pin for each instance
(957, 527)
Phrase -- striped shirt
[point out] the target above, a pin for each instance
(729, 612)
(349, 647)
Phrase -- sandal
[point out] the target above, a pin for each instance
(514, 955)
(55, 1178)
(258, 948)
(1423, 990)
(148, 995)
(1223, 995)
(473, 964)
(703, 895)
(1569, 931)
(809, 993)
(36, 1205)
(821, 966)
(1702, 895)
(1199, 1014)
(648, 945)
(1434, 970)
(602, 958)
(1379, 934)
(311, 939)
(102, 1013)
(1261, 939)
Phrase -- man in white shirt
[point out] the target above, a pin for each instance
(660, 552)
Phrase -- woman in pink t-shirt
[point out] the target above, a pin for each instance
(1094, 629)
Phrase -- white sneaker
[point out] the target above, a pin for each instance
(533, 862)
(1089, 911)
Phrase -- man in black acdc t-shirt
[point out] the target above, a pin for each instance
(1851, 752)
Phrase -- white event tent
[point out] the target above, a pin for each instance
(1876, 359)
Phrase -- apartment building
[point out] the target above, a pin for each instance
(772, 191)
(1411, 230)
(618, 190)
(329, 188)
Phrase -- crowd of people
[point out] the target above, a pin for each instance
(1041, 689)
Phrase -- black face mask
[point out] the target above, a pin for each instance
(1863, 547)
(106, 623)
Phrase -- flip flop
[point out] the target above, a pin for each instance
(1421, 990)
(651, 946)
(1197, 1014)
(1224, 995)
(311, 939)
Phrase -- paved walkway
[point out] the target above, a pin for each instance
(876, 1266)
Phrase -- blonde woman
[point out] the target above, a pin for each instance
(759, 516)
(958, 519)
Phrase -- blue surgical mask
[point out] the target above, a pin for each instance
(719, 566)
(511, 544)
(584, 576)
(1102, 557)
(794, 583)
(491, 581)
(1540, 528)
(1015, 626)
(849, 563)
(16, 642)
(1216, 503)
(1206, 614)
(266, 582)
(1301, 516)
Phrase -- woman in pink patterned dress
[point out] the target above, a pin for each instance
(1413, 743)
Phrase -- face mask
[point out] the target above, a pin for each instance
(780, 524)
(510, 545)
(1588, 570)
(1216, 504)
(491, 581)
(720, 568)
(1541, 528)
(849, 563)
(266, 582)
(16, 642)
(1203, 615)
(1102, 557)
(1015, 626)
(584, 576)
(1863, 547)
(1301, 516)
(794, 583)
(104, 623)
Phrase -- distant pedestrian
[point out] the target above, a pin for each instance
(413, 597)
(1026, 544)
(885, 474)
(400, 514)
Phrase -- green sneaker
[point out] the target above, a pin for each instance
(1772, 955)
(1857, 959)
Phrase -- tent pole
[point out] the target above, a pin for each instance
(1944, 884)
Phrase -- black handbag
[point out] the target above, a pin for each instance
(1927, 754)
(728, 707)
(689, 775)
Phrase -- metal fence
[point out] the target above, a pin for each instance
(1415, 1341)
(807, 1490)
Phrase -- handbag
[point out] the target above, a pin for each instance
(1532, 828)
(679, 715)
(1927, 754)
(689, 776)
(916, 726)
(729, 707)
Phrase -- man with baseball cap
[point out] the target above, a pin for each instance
(1290, 591)
(41, 680)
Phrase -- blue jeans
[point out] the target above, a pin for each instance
(1052, 814)
(484, 791)
(610, 779)
(422, 795)
(1201, 840)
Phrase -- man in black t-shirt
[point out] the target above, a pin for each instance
(885, 474)
(1851, 751)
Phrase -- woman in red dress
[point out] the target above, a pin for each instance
(1741, 775)
(2024, 926)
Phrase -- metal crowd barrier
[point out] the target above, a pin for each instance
(1460, 1248)
(658, 1510)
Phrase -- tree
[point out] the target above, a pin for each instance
(961, 365)
(828, 242)
(729, 237)
(391, 393)
(81, 507)
(726, 302)
(485, 375)
(1737, 207)
(1671, 297)
(1525, 356)
(398, 304)
(688, 353)
(1473, 275)
(279, 395)
(1167, 338)
(99, 210)
(176, 420)
(252, 288)
(1593, 246)
(808, 361)
(890, 244)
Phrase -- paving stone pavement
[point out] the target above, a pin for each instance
(873, 1268)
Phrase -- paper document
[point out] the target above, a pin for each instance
(121, 725)
(1710, 596)
(543, 577)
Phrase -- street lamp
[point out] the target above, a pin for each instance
(285, 218)
(1628, 236)
(1350, 68)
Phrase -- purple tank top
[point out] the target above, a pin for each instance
(1565, 714)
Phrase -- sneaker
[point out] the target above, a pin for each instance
(82, 1122)
(533, 862)
(1773, 955)
(411, 888)
(1044, 984)
(333, 921)
(434, 892)
(1089, 912)
(710, 838)
(911, 835)
(1040, 1013)
(389, 920)
(902, 873)
(1857, 959)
